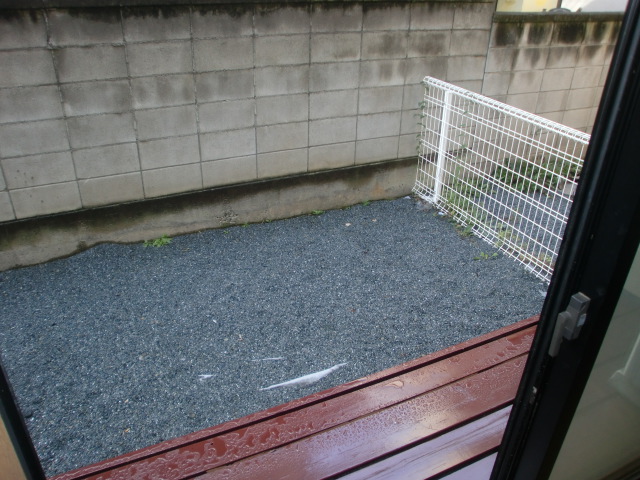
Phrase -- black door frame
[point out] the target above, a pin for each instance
(600, 243)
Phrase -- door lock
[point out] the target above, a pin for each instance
(570, 322)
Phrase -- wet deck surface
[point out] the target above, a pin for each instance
(418, 420)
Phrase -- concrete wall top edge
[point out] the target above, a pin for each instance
(35, 4)
(546, 17)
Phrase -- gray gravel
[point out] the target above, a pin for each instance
(105, 349)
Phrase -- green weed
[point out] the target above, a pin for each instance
(158, 242)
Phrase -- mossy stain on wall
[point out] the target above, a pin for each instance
(104, 15)
(507, 34)
(570, 32)
(155, 12)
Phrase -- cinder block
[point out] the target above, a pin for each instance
(215, 54)
(469, 42)
(29, 103)
(162, 91)
(603, 76)
(168, 152)
(210, 21)
(23, 29)
(471, 85)
(115, 189)
(501, 59)
(282, 50)
(335, 155)
(166, 122)
(598, 32)
(26, 67)
(3, 185)
(432, 16)
(523, 101)
(105, 161)
(562, 57)
(339, 103)
(425, 43)
(553, 116)
(592, 55)
(166, 181)
(525, 82)
(286, 136)
(376, 150)
(229, 171)
(233, 143)
(597, 96)
(338, 47)
(76, 64)
(156, 24)
(20, 139)
(578, 119)
(6, 209)
(496, 83)
(409, 122)
(557, 79)
(336, 18)
(45, 200)
(581, 98)
(413, 95)
(280, 164)
(418, 68)
(282, 109)
(88, 28)
(568, 33)
(531, 58)
(278, 20)
(378, 125)
(385, 16)
(407, 146)
(23, 172)
(97, 130)
(87, 98)
(230, 115)
(333, 76)
(585, 77)
(332, 130)
(230, 85)
(159, 58)
(465, 68)
(551, 101)
(473, 15)
(507, 35)
(380, 73)
(383, 45)
(380, 99)
(537, 34)
(281, 80)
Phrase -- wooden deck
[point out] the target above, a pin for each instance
(442, 414)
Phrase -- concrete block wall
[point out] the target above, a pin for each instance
(102, 106)
(111, 105)
(553, 66)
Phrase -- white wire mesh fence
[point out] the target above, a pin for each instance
(506, 175)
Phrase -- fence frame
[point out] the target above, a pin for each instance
(520, 203)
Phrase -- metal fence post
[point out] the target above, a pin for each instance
(442, 146)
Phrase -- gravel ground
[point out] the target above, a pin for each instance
(105, 349)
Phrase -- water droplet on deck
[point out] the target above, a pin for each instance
(395, 384)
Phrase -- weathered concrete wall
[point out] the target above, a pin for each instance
(551, 65)
(127, 105)
(111, 105)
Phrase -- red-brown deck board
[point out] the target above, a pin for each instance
(421, 418)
